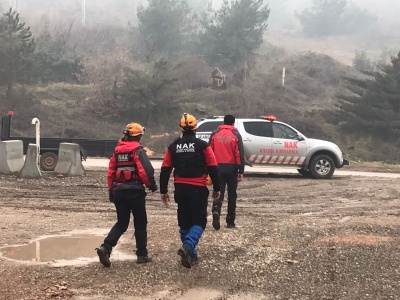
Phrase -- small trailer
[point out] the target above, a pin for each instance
(49, 145)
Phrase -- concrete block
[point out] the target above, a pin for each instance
(69, 161)
(11, 157)
(31, 166)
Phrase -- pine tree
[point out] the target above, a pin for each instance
(330, 17)
(323, 17)
(149, 94)
(198, 6)
(16, 51)
(234, 31)
(373, 106)
(165, 25)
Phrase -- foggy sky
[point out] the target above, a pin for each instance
(282, 18)
(386, 10)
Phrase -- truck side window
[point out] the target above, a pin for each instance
(283, 132)
(209, 126)
(258, 128)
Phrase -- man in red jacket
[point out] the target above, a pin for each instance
(191, 159)
(129, 172)
(227, 145)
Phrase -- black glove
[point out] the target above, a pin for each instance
(217, 203)
(111, 195)
(153, 188)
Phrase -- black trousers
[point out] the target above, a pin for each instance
(192, 205)
(129, 202)
(229, 180)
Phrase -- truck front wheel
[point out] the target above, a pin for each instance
(322, 167)
(304, 173)
(48, 161)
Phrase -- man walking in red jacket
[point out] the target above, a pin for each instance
(227, 145)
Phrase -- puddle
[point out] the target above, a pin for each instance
(62, 250)
(194, 294)
(200, 294)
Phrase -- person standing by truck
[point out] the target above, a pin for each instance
(129, 171)
(192, 160)
(227, 145)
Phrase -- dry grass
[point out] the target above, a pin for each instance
(377, 166)
(312, 81)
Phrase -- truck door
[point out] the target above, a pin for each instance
(257, 140)
(287, 147)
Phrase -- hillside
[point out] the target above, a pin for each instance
(89, 81)
(309, 92)
(378, 43)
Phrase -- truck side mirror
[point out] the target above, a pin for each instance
(300, 137)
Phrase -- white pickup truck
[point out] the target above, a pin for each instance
(270, 142)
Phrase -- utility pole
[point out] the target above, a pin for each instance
(83, 13)
(245, 69)
(245, 100)
(14, 4)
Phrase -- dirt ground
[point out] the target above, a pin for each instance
(296, 238)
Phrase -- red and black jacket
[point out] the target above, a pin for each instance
(130, 168)
(227, 145)
(192, 160)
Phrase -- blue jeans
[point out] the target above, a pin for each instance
(192, 213)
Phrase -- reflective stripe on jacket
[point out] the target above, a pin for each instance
(197, 171)
(130, 168)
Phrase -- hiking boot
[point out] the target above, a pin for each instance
(143, 259)
(195, 260)
(186, 257)
(104, 256)
(216, 224)
(230, 225)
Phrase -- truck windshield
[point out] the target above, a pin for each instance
(209, 126)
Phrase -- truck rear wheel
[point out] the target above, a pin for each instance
(48, 161)
(322, 167)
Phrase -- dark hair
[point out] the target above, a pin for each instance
(229, 120)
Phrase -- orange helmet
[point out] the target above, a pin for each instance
(208, 180)
(188, 122)
(134, 129)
